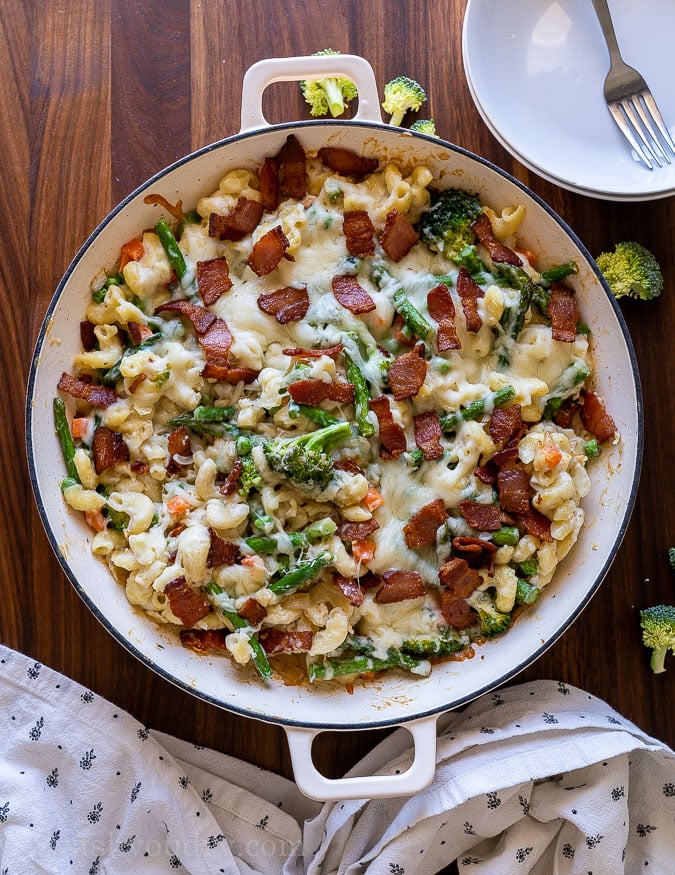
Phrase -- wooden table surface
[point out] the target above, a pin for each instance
(99, 95)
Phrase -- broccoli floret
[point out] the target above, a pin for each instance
(305, 459)
(446, 227)
(424, 126)
(631, 271)
(328, 95)
(658, 633)
(400, 95)
(492, 621)
(671, 557)
(250, 477)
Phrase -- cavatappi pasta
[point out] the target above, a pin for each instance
(306, 421)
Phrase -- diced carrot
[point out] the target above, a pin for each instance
(132, 250)
(551, 456)
(252, 562)
(373, 499)
(363, 551)
(530, 256)
(79, 427)
(97, 520)
(177, 505)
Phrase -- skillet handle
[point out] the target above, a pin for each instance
(415, 779)
(264, 73)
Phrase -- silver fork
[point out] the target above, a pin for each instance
(630, 101)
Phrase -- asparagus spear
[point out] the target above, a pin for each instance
(112, 375)
(171, 248)
(361, 663)
(361, 396)
(264, 545)
(65, 438)
(411, 315)
(222, 601)
(478, 408)
(302, 573)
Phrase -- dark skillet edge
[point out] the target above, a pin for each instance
(282, 720)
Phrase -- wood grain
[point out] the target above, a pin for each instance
(98, 97)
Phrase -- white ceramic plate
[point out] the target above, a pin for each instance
(535, 69)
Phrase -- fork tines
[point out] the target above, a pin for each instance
(637, 116)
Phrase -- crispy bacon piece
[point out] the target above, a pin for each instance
(536, 524)
(201, 319)
(497, 251)
(514, 488)
(87, 335)
(275, 641)
(269, 184)
(505, 423)
(348, 465)
(97, 396)
(138, 332)
(347, 163)
(595, 417)
(484, 517)
(304, 353)
(352, 295)
(231, 375)
(428, 434)
(268, 251)
(253, 612)
(423, 525)
(178, 442)
(350, 589)
(213, 279)
(469, 291)
(565, 413)
(476, 551)
(216, 342)
(243, 219)
(564, 312)
(231, 481)
(313, 392)
(140, 468)
(221, 552)
(398, 586)
(505, 458)
(286, 305)
(398, 236)
(357, 531)
(186, 604)
(392, 436)
(108, 448)
(292, 162)
(204, 640)
(461, 580)
(359, 231)
(407, 373)
(456, 612)
(442, 310)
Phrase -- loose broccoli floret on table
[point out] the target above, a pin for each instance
(671, 558)
(305, 459)
(424, 126)
(401, 95)
(631, 271)
(446, 227)
(328, 95)
(658, 633)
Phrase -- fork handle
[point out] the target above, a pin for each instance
(605, 19)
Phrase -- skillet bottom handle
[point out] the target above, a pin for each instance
(415, 779)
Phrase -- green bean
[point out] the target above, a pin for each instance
(526, 593)
(171, 247)
(65, 438)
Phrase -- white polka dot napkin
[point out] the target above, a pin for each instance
(539, 778)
